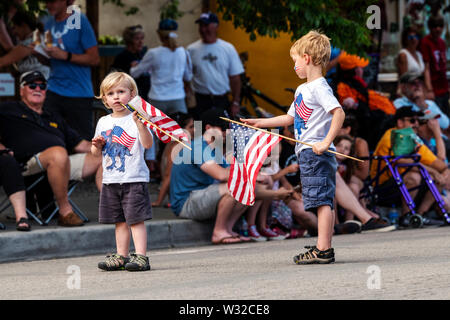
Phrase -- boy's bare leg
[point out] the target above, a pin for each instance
(139, 234)
(122, 238)
(325, 227)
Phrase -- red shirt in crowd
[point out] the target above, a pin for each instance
(433, 52)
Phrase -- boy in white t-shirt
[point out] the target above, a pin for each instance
(124, 199)
(317, 116)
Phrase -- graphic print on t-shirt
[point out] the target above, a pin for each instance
(118, 144)
(210, 57)
(302, 114)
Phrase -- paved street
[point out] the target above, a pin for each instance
(407, 264)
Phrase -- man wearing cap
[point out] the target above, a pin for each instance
(412, 88)
(73, 50)
(42, 141)
(406, 117)
(217, 68)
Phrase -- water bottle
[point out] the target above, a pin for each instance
(242, 227)
(393, 215)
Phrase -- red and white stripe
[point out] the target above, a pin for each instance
(242, 179)
(158, 118)
(303, 111)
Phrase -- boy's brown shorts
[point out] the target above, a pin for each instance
(126, 202)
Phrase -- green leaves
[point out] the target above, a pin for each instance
(170, 10)
(343, 21)
(128, 12)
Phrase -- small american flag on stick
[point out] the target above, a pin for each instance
(159, 119)
(251, 148)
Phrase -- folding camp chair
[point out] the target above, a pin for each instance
(378, 193)
(47, 205)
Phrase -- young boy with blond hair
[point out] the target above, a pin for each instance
(317, 117)
(124, 199)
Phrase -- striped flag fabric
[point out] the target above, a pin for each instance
(158, 118)
(301, 109)
(120, 136)
(251, 148)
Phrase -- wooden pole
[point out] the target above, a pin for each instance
(287, 138)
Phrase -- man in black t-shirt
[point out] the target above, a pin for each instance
(42, 141)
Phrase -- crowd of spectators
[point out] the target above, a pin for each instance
(50, 128)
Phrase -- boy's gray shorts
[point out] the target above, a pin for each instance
(124, 202)
(318, 178)
(202, 204)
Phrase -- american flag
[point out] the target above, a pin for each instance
(251, 148)
(158, 118)
(120, 136)
(301, 109)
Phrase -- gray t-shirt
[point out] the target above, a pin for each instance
(311, 111)
(213, 64)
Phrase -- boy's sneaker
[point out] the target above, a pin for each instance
(314, 255)
(377, 225)
(348, 227)
(271, 235)
(113, 262)
(138, 262)
(254, 234)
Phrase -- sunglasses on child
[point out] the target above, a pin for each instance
(33, 86)
(413, 36)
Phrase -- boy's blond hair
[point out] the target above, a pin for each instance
(113, 79)
(315, 44)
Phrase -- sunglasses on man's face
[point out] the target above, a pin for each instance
(33, 86)
(411, 120)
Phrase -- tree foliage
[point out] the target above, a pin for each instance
(342, 21)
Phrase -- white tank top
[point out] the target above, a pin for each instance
(414, 66)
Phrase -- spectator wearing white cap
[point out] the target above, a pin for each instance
(170, 68)
(217, 68)
(412, 88)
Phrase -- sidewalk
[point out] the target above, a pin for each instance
(165, 230)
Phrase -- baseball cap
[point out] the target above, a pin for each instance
(212, 117)
(350, 61)
(30, 77)
(207, 18)
(168, 24)
(407, 111)
(409, 77)
(429, 114)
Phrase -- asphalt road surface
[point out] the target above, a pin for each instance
(405, 264)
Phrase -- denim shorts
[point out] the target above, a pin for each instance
(318, 178)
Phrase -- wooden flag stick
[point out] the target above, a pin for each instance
(145, 121)
(287, 138)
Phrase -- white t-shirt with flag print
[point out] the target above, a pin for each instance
(123, 155)
(311, 112)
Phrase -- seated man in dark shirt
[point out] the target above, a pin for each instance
(43, 141)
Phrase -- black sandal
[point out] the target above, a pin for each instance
(22, 228)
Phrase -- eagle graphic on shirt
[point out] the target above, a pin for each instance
(118, 144)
